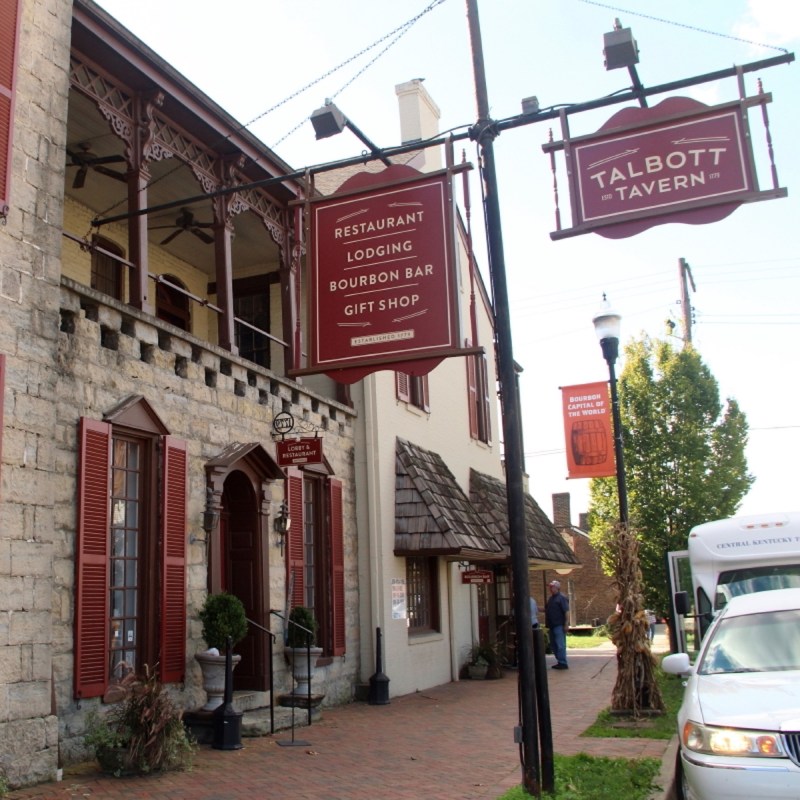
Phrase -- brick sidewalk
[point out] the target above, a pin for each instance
(452, 741)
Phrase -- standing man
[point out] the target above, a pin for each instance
(555, 617)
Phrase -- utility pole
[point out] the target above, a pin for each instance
(484, 132)
(686, 279)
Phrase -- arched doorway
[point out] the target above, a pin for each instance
(240, 553)
(238, 487)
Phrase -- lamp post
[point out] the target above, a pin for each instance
(607, 327)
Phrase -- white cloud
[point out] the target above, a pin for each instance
(773, 22)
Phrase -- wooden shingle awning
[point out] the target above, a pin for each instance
(546, 547)
(433, 516)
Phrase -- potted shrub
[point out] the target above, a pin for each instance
(477, 663)
(301, 637)
(223, 616)
(483, 661)
(142, 733)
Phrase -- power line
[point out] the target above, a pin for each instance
(684, 25)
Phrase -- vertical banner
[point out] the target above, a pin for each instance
(588, 431)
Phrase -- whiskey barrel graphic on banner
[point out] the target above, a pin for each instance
(589, 442)
(587, 431)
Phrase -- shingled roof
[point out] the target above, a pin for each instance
(546, 546)
(433, 516)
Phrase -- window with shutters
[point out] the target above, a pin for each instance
(413, 389)
(316, 554)
(9, 41)
(422, 595)
(478, 397)
(130, 587)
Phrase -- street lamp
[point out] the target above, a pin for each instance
(607, 327)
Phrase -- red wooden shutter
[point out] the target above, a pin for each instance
(91, 595)
(336, 529)
(424, 393)
(173, 560)
(9, 39)
(296, 550)
(472, 395)
(2, 395)
(402, 386)
(485, 397)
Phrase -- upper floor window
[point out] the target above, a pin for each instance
(107, 270)
(479, 397)
(172, 303)
(413, 389)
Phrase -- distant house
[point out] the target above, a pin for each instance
(591, 593)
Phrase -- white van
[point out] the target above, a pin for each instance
(740, 555)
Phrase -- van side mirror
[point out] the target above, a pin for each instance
(681, 603)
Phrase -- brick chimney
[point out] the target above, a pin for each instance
(562, 517)
(583, 521)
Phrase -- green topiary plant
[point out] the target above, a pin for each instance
(222, 616)
(300, 618)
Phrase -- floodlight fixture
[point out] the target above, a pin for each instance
(329, 120)
(620, 48)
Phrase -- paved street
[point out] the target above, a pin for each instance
(451, 741)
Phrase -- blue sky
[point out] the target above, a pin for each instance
(262, 56)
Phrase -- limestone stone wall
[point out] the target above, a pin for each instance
(30, 243)
(108, 352)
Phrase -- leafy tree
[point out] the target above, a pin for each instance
(684, 458)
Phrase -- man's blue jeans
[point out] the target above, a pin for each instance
(558, 644)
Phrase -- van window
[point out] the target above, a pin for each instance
(749, 580)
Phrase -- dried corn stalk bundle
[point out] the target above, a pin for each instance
(636, 689)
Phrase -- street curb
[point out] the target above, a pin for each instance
(666, 776)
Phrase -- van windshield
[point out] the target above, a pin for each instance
(748, 580)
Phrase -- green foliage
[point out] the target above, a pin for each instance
(143, 733)
(662, 726)
(684, 458)
(584, 777)
(301, 617)
(223, 615)
(483, 653)
(3, 785)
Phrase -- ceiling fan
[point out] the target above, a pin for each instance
(185, 222)
(84, 159)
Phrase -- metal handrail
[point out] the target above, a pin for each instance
(308, 658)
(270, 645)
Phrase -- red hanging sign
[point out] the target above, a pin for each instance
(295, 452)
(382, 279)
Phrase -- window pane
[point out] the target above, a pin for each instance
(125, 551)
(422, 598)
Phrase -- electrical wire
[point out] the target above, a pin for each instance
(683, 25)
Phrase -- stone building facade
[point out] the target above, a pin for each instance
(87, 373)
